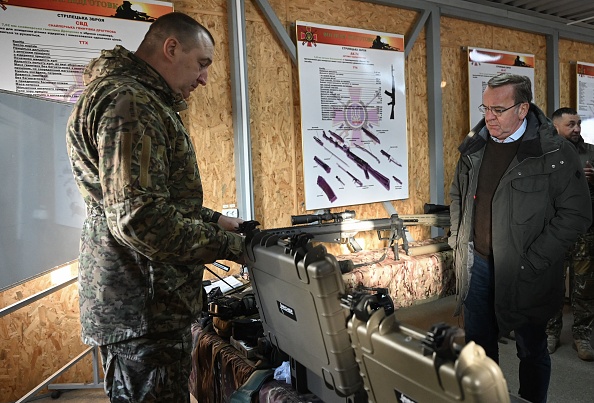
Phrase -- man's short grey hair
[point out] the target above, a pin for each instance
(522, 85)
(180, 25)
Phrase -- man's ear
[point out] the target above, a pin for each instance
(524, 108)
(170, 47)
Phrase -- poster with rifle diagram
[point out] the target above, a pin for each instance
(46, 44)
(353, 115)
(585, 99)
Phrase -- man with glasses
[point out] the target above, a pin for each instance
(516, 205)
(579, 261)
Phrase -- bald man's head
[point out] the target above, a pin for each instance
(568, 124)
(180, 49)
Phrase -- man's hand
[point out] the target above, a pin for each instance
(229, 223)
(589, 172)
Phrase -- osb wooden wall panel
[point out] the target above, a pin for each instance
(272, 125)
(208, 117)
(456, 125)
(418, 138)
(456, 36)
(40, 338)
(569, 53)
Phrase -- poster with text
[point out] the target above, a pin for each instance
(483, 64)
(353, 115)
(46, 44)
(585, 99)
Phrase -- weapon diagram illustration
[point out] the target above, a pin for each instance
(354, 146)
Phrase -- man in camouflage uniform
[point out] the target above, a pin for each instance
(579, 257)
(147, 234)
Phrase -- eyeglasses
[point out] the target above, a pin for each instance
(496, 110)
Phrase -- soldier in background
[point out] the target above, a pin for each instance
(147, 235)
(580, 257)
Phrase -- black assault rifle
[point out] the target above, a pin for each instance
(392, 95)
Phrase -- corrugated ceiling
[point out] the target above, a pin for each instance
(579, 13)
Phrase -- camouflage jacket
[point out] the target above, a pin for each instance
(146, 234)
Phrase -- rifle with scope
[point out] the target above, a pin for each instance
(436, 215)
(342, 227)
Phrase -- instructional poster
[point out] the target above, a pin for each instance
(353, 115)
(46, 44)
(585, 99)
(483, 64)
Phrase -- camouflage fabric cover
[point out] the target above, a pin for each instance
(582, 300)
(582, 297)
(281, 392)
(409, 279)
(147, 233)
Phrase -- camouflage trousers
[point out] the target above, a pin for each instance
(154, 368)
(580, 265)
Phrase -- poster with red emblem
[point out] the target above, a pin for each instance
(353, 115)
(46, 44)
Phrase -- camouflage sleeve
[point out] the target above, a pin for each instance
(151, 184)
(209, 215)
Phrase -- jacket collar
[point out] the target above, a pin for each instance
(120, 61)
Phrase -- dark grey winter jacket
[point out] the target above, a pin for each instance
(539, 208)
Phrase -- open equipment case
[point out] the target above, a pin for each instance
(351, 348)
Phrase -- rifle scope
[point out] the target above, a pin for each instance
(310, 218)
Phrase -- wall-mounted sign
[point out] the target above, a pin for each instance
(45, 44)
(585, 99)
(353, 115)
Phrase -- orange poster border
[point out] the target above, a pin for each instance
(309, 34)
(90, 7)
